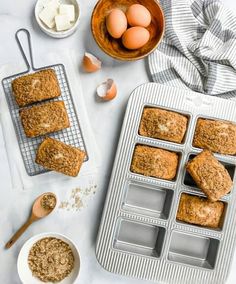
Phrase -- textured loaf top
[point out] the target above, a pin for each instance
(210, 175)
(45, 118)
(57, 156)
(154, 162)
(217, 136)
(36, 87)
(200, 211)
(163, 124)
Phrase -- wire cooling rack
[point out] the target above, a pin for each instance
(28, 146)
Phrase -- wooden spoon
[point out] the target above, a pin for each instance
(38, 212)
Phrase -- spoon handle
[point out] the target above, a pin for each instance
(16, 236)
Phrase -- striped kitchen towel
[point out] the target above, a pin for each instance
(198, 51)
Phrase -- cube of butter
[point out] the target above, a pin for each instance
(69, 10)
(51, 3)
(47, 15)
(62, 23)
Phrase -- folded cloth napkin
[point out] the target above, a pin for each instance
(198, 51)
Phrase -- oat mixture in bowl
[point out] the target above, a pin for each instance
(48, 258)
(51, 259)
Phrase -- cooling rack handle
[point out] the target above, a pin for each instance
(25, 51)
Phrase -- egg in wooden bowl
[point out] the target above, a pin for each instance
(128, 30)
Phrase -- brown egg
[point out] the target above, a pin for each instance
(116, 23)
(135, 37)
(138, 15)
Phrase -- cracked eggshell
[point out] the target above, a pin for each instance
(107, 90)
(91, 63)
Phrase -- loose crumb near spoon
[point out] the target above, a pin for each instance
(38, 212)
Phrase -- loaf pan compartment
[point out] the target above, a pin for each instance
(147, 200)
(139, 238)
(193, 250)
(212, 119)
(188, 180)
(222, 218)
(187, 115)
(145, 175)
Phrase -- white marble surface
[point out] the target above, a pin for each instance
(105, 119)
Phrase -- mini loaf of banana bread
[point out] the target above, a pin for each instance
(200, 211)
(217, 136)
(162, 124)
(210, 175)
(46, 118)
(36, 87)
(154, 162)
(57, 156)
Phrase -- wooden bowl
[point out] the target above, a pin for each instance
(114, 47)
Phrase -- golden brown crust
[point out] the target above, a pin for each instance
(217, 136)
(154, 162)
(162, 124)
(200, 211)
(36, 87)
(46, 118)
(57, 156)
(210, 175)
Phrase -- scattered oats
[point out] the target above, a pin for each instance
(77, 198)
(64, 204)
(78, 202)
(87, 191)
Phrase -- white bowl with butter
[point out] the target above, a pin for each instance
(57, 18)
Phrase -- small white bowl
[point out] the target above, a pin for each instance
(53, 32)
(24, 271)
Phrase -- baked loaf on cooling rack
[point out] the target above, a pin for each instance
(40, 86)
(57, 156)
(45, 118)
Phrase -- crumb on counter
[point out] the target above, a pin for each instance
(78, 198)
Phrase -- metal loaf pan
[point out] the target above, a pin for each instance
(139, 235)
